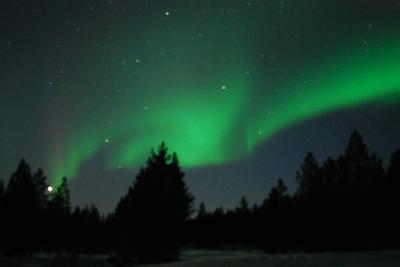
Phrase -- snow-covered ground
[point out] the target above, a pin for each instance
(200, 258)
(212, 258)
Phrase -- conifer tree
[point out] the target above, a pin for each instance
(157, 207)
(309, 177)
(25, 201)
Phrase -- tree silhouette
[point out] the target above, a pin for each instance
(154, 212)
(199, 230)
(361, 179)
(25, 203)
(275, 218)
(393, 172)
(309, 177)
(309, 203)
(348, 203)
(242, 220)
(88, 231)
(1, 191)
(58, 217)
(61, 199)
(391, 197)
(243, 207)
(202, 210)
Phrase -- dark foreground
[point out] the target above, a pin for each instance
(204, 258)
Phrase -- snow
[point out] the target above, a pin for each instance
(220, 258)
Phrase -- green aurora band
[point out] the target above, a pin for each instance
(205, 126)
(359, 76)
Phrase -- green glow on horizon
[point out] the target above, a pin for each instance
(357, 78)
(207, 121)
(78, 150)
(198, 127)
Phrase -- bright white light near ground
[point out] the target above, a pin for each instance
(50, 189)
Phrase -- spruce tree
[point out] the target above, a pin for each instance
(202, 210)
(309, 178)
(392, 200)
(58, 221)
(25, 201)
(60, 200)
(157, 208)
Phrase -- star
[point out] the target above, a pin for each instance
(167, 13)
(223, 87)
(107, 141)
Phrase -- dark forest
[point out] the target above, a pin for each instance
(346, 204)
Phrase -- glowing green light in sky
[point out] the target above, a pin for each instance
(207, 119)
(359, 77)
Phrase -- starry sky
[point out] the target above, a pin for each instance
(241, 90)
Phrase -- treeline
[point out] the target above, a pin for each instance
(148, 224)
(348, 203)
(33, 219)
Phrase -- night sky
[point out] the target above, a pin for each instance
(241, 90)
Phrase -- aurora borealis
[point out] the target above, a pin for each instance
(88, 87)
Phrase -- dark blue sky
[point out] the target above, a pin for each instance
(79, 79)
